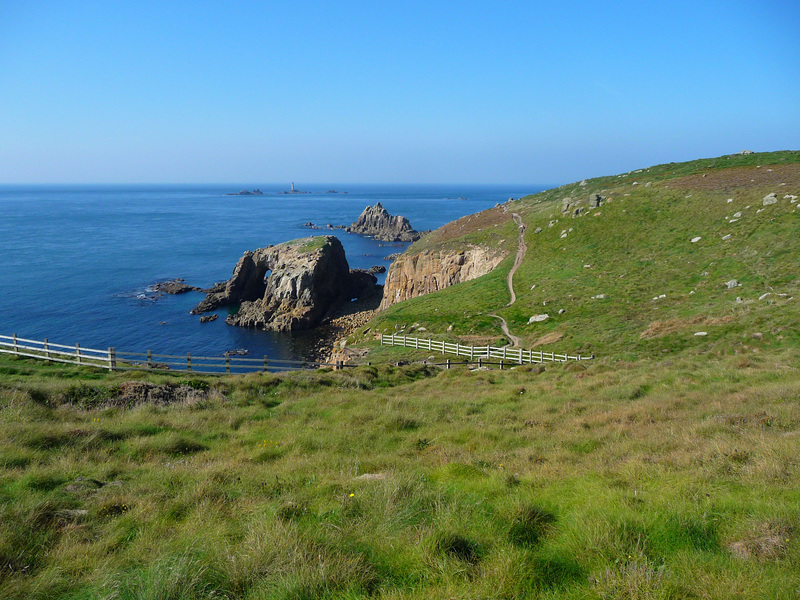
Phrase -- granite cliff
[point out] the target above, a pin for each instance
(432, 270)
(293, 285)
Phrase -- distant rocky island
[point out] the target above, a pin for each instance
(255, 192)
(294, 191)
(376, 221)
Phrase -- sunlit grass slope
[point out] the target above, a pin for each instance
(646, 271)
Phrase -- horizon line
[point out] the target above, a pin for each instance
(318, 183)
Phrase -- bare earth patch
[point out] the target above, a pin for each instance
(550, 338)
(662, 328)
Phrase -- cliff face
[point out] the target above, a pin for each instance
(289, 286)
(430, 271)
(378, 223)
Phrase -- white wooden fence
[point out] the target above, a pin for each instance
(514, 355)
(113, 360)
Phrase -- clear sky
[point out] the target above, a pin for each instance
(420, 92)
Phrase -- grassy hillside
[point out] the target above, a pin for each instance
(666, 468)
(670, 479)
(634, 249)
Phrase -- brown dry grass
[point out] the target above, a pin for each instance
(468, 225)
(741, 177)
(550, 338)
(662, 328)
(767, 541)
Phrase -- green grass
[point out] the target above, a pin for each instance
(665, 468)
(311, 244)
(633, 250)
(655, 479)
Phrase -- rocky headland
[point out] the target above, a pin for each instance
(291, 286)
(376, 221)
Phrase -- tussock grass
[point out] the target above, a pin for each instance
(650, 479)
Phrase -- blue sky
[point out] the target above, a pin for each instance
(468, 92)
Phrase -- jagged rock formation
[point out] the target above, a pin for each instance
(429, 271)
(289, 286)
(377, 222)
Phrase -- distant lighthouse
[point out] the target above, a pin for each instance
(293, 190)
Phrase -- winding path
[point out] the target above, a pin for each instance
(521, 250)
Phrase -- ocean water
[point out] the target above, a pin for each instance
(78, 261)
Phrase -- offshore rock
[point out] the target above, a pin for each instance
(378, 223)
(174, 286)
(289, 286)
(429, 271)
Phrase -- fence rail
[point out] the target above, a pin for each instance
(513, 355)
(114, 360)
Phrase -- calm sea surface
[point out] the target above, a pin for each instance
(77, 260)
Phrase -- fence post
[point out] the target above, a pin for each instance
(448, 364)
(501, 364)
(265, 363)
(188, 361)
(149, 359)
(78, 352)
(112, 359)
(472, 353)
(227, 364)
(46, 350)
(480, 362)
(16, 349)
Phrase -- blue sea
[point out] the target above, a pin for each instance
(78, 261)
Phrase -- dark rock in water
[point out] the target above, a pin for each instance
(174, 286)
(376, 269)
(237, 352)
(289, 286)
(208, 318)
(255, 192)
(378, 223)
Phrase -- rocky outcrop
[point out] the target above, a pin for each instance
(289, 286)
(378, 223)
(174, 286)
(431, 270)
(255, 192)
